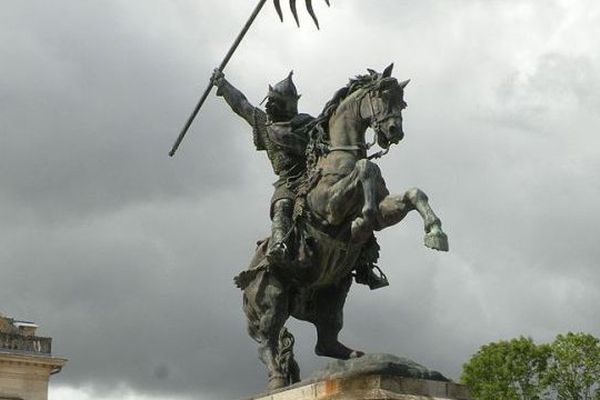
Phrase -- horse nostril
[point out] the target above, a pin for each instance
(396, 134)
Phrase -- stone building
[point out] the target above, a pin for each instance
(26, 361)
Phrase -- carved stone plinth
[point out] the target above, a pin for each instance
(371, 387)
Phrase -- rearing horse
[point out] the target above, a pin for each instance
(345, 201)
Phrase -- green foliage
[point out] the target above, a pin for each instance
(574, 370)
(507, 370)
(567, 369)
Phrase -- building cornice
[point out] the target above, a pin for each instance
(32, 359)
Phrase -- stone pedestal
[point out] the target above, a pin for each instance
(374, 377)
(371, 387)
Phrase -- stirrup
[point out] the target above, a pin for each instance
(375, 281)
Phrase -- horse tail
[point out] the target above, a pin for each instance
(285, 357)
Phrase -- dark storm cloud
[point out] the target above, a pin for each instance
(126, 256)
(92, 97)
(91, 102)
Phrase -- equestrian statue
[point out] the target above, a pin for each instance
(329, 200)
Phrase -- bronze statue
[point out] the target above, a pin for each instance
(340, 200)
(329, 200)
(283, 134)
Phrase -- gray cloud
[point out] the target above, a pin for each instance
(125, 256)
(91, 106)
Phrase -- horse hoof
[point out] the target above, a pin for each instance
(338, 351)
(437, 240)
(356, 354)
(276, 382)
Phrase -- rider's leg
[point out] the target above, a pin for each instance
(366, 272)
(280, 229)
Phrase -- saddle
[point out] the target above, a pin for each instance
(310, 265)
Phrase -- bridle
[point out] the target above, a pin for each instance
(375, 122)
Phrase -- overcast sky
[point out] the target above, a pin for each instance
(126, 256)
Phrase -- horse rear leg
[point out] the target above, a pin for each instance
(394, 208)
(329, 320)
(266, 307)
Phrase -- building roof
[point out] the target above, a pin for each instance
(25, 324)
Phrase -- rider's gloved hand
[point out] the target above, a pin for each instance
(217, 79)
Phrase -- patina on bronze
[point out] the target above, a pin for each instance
(330, 199)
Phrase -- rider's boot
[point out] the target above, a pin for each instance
(280, 230)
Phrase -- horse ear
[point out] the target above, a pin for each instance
(403, 83)
(388, 71)
(371, 71)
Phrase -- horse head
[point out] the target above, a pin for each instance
(382, 106)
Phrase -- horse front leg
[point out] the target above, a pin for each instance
(373, 189)
(394, 208)
(355, 196)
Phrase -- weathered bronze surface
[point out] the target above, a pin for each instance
(329, 200)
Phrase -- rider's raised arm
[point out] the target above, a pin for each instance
(236, 99)
(256, 117)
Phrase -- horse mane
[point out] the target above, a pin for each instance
(319, 128)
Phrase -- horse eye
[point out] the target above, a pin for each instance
(386, 94)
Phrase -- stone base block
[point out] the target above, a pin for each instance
(370, 387)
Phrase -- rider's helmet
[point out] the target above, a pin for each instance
(282, 100)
